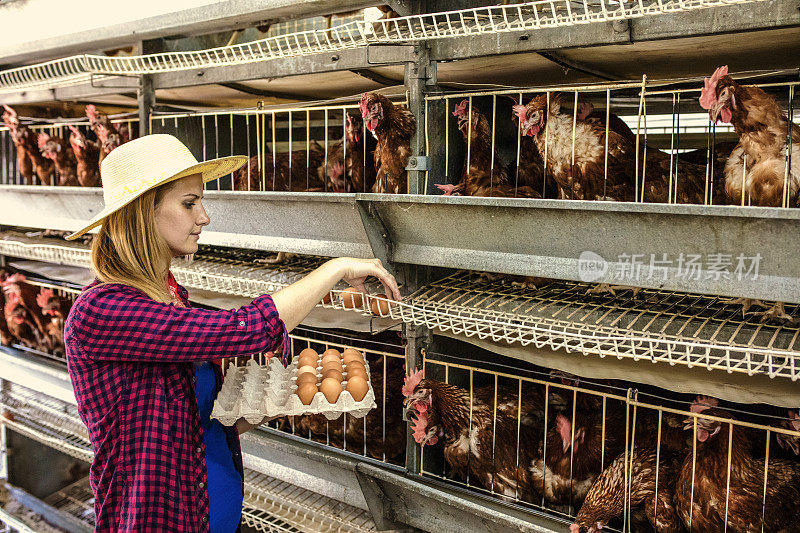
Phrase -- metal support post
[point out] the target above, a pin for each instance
(420, 77)
(146, 94)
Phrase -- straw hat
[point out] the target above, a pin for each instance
(147, 162)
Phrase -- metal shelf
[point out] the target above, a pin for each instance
(28, 514)
(45, 419)
(446, 25)
(77, 500)
(513, 236)
(274, 505)
(656, 325)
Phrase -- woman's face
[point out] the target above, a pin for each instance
(180, 215)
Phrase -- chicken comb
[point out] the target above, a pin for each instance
(708, 96)
(411, 382)
(702, 403)
(363, 105)
(460, 108)
(91, 111)
(42, 140)
(12, 298)
(520, 111)
(14, 278)
(44, 297)
(102, 133)
(11, 303)
(75, 130)
(10, 110)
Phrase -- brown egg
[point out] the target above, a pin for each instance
(307, 360)
(331, 351)
(333, 373)
(326, 299)
(357, 387)
(332, 361)
(331, 388)
(379, 307)
(355, 363)
(351, 354)
(308, 368)
(335, 365)
(306, 378)
(351, 298)
(357, 371)
(306, 392)
(307, 352)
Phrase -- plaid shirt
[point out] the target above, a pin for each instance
(130, 359)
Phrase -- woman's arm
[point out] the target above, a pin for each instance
(120, 323)
(298, 299)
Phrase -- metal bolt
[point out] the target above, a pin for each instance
(335, 57)
(412, 162)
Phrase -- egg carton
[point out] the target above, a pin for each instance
(254, 391)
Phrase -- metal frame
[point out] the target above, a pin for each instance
(548, 239)
(448, 25)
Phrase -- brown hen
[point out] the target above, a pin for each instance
(62, 156)
(709, 493)
(755, 172)
(393, 127)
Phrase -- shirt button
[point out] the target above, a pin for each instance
(201, 484)
(198, 449)
(205, 519)
(242, 323)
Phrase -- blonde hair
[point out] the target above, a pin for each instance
(129, 250)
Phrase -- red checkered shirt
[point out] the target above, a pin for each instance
(130, 359)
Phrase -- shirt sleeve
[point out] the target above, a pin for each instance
(126, 325)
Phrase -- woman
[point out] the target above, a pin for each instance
(141, 360)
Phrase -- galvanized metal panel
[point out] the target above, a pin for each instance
(39, 375)
(447, 510)
(309, 223)
(547, 237)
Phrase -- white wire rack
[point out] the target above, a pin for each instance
(441, 25)
(46, 420)
(244, 273)
(274, 505)
(76, 499)
(657, 326)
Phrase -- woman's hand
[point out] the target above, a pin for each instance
(356, 271)
(298, 299)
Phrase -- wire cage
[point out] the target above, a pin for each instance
(46, 420)
(379, 435)
(648, 141)
(58, 132)
(321, 147)
(75, 499)
(274, 505)
(601, 452)
(659, 326)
